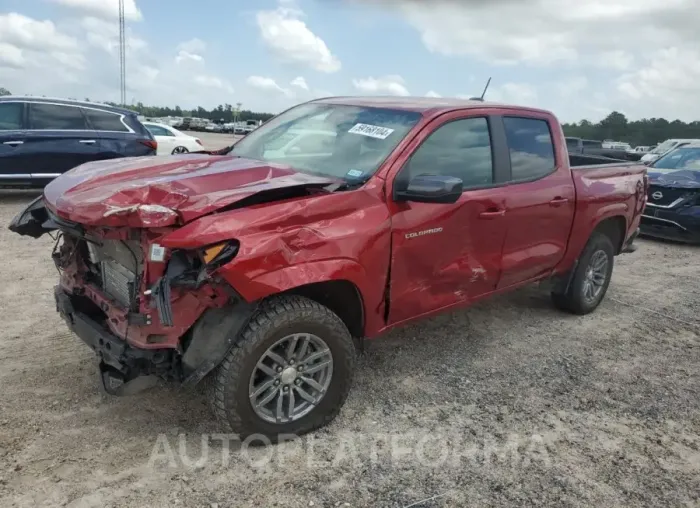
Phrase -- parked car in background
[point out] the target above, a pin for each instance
(640, 149)
(214, 127)
(666, 147)
(616, 145)
(199, 124)
(673, 204)
(598, 148)
(264, 272)
(172, 141)
(42, 138)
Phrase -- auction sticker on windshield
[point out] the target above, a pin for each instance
(373, 131)
(355, 173)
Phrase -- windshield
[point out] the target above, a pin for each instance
(664, 147)
(680, 159)
(348, 142)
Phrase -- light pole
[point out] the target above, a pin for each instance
(238, 111)
(122, 53)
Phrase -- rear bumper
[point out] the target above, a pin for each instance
(629, 246)
(112, 351)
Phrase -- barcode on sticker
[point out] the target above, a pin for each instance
(157, 253)
(373, 131)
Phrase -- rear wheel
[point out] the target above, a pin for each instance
(180, 149)
(591, 277)
(289, 373)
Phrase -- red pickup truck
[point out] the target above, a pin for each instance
(262, 267)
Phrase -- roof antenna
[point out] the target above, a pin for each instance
(483, 94)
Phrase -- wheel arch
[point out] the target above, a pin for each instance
(614, 228)
(342, 285)
(342, 297)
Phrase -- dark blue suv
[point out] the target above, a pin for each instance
(42, 138)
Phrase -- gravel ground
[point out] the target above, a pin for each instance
(509, 403)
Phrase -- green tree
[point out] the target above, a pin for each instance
(4, 91)
(648, 131)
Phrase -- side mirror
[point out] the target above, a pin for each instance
(431, 189)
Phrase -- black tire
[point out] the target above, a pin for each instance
(179, 150)
(574, 299)
(277, 318)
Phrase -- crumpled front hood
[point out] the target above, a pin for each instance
(681, 179)
(164, 191)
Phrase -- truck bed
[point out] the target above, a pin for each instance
(606, 187)
(581, 161)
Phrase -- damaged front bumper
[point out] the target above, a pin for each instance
(123, 368)
(146, 317)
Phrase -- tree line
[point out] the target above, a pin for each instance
(223, 113)
(645, 132)
(616, 126)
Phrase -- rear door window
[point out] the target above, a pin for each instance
(11, 116)
(56, 117)
(531, 147)
(105, 120)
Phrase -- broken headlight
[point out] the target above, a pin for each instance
(216, 256)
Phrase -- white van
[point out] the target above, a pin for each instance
(666, 146)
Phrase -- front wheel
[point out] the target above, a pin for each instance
(180, 149)
(289, 373)
(591, 277)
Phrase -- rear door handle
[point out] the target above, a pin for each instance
(558, 201)
(13, 143)
(87, 141)
(492, 214)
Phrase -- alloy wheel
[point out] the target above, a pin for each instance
(596, 275)
(291, 378)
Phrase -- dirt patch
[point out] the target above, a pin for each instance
(510, 403)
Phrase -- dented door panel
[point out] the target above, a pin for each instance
(443, 255)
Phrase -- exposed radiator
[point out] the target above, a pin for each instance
(118, 263)
(117, 281)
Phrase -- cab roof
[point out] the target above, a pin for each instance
(425, 105)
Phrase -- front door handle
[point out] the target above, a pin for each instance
(492, 214)
(87, 141)
(558, 201)
(13, 143)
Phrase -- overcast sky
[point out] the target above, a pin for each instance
(579, 58)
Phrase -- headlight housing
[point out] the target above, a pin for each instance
(217, 255)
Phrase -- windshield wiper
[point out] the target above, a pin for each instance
(346, 186)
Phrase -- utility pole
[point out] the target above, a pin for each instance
(238, 112)
(122, 54)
